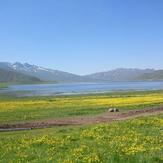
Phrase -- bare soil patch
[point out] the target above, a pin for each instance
(102, 118)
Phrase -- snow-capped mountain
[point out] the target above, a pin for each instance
(27, 67)
(16, 77)
(121, 74)
(43, 74)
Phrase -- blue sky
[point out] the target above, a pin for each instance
(82, 36)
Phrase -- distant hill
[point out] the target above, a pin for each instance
(156, 75)
(120, 75)
(12, 76)
(44, 74)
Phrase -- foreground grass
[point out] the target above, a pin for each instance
(132, 141)
(14, 109)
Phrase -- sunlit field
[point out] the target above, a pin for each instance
(14, 109)
(132, 141)
(136, 140)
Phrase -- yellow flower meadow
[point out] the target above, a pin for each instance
(55, 107)
(128, 140)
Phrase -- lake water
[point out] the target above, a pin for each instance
(79, 88)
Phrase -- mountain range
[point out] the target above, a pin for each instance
(18, 72)
(16, 77)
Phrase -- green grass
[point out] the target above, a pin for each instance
(132, 141)
(3, 85)
(14, 109)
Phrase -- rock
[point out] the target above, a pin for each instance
(113, 110)
(116, 110)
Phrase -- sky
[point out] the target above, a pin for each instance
(82, 36)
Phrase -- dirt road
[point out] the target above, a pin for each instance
(102, 118)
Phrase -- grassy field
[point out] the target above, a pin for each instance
(132, 141)
(14, 109)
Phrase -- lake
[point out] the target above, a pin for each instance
(79, 88)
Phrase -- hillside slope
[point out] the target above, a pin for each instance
(120, 74)
(156, 75)
(12, 76)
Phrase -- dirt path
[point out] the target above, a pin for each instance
(102, 118)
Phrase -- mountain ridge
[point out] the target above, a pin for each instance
(16, 77)
(42, 73)
(156, 75)
(119, 74)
